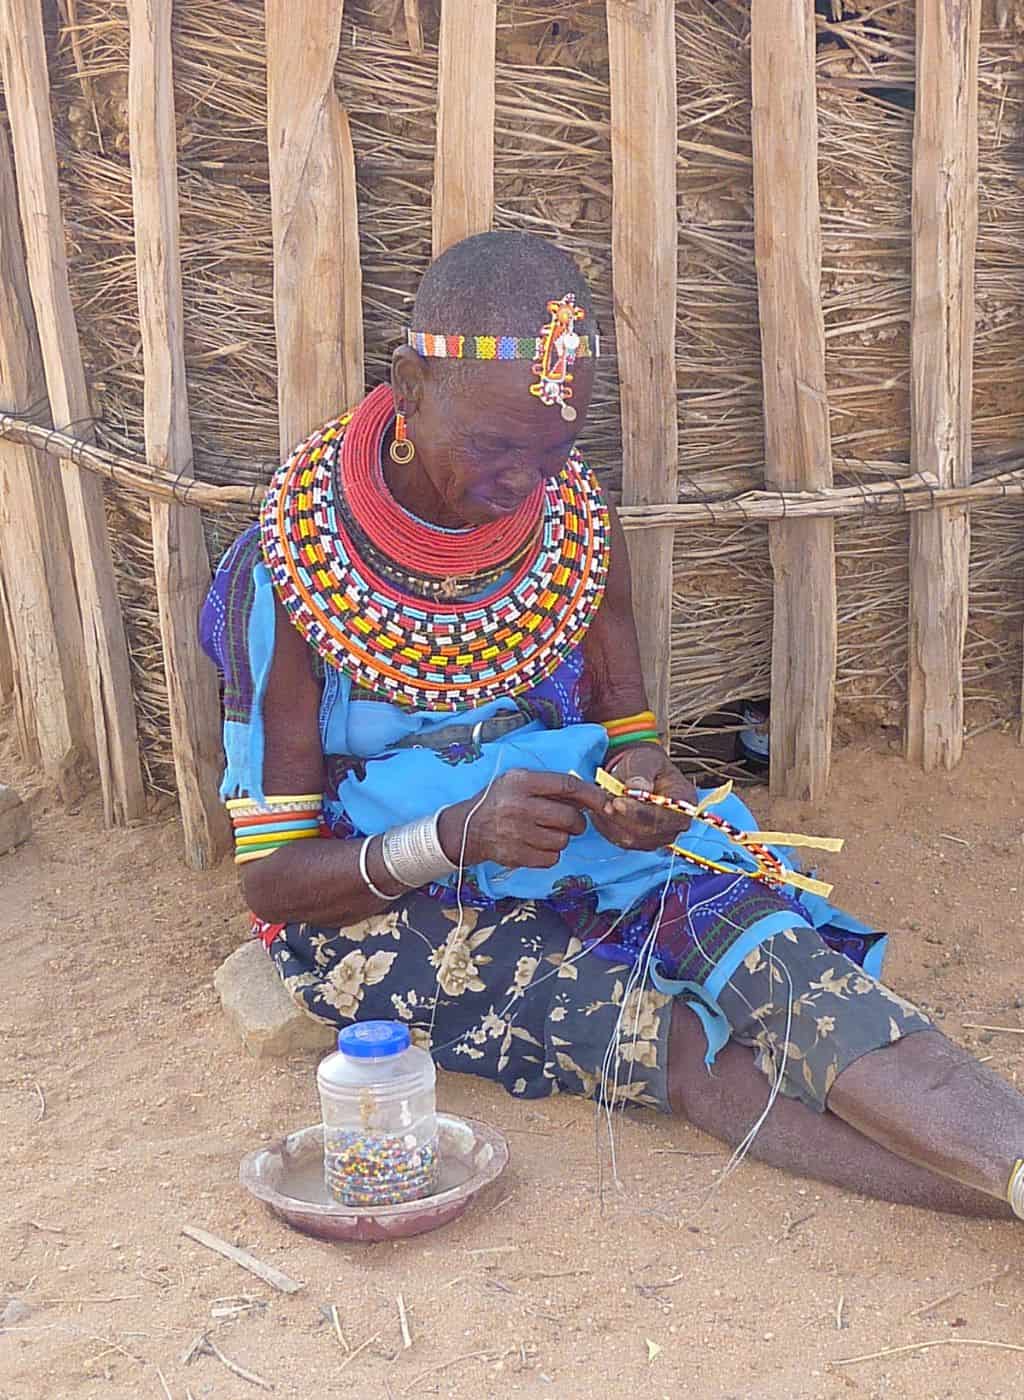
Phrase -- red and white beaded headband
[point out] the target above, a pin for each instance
(553, 352)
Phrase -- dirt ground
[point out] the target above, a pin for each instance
(126, 1104)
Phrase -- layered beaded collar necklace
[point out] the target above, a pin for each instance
(365, 583)
(422, 559)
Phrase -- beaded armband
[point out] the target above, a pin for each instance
(634, 729)
(263, 827)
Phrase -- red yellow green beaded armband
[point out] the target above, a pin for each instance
(767, 866)
(264, 827)
(633, 729)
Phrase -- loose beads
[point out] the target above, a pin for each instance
(378, 1169)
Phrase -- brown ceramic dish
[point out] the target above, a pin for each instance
(288, 1177)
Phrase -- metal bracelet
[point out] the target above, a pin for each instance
(413, 854)
(365, 875)
(1015, 1194)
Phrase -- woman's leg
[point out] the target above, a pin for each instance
(726, 1100)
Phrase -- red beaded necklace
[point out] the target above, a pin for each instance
(423, 548)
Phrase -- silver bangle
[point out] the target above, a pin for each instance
(364, 875)
(413, 854)
(1015, 1194)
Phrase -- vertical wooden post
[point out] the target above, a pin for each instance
(945, 228)
(798, 449)
(463, 201)
(6, 654)
(180, 563)
(317, 277)
(12, 688)
(45, 630)
(642, 58)
(27, 90)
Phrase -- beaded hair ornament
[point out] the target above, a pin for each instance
(552, 353)
(767, 866)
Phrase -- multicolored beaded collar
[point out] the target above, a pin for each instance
(429, 653)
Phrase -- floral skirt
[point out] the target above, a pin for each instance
(512, 993)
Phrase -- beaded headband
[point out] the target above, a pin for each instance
(553, 352)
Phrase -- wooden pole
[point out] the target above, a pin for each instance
(180, 563)
(317, 277)
(945, 228)
(798, 451)
(7, 678)
(27, 91)
(642, 58)
(12, 690)
(464, 161)
(45, 630)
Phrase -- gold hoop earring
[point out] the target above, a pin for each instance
(402, 451)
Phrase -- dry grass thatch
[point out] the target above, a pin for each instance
(553, 174)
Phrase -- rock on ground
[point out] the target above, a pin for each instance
(15, 822)
(257, 1005)
(14, 1312)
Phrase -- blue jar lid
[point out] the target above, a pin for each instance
(373, 1040)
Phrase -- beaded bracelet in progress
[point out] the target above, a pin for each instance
(768, 867)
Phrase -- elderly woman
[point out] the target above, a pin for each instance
(428, 650)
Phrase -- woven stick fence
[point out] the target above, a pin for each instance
(797, 499)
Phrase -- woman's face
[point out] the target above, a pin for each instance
(483, 441)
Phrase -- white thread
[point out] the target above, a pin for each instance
(460, 908)
(748, 1141)
(612, 1060)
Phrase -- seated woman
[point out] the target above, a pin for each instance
(428, 650)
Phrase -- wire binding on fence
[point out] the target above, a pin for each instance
(895, 496)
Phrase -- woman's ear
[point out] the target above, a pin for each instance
(408, 380)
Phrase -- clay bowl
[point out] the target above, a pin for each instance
(288, 1177)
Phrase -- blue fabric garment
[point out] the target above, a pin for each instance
(373, 785)
(386, 786)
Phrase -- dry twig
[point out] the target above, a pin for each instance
(403, 1323)
(211, 1346)
(956, 1292)
(926, 1346)
(243, 1259)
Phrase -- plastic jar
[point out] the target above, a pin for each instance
(379, 1115)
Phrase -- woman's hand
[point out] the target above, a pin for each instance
(635, 825)
(526, 819)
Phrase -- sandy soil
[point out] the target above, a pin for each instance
(109, 1020)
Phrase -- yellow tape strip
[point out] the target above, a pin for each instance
(804, 882)
(712, 799)
(789, 838)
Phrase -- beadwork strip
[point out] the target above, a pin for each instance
(490, 347)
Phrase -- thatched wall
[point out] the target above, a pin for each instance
(553, 174)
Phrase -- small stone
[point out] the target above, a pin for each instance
(264, 1015)
(15, 822)
(16, 1311)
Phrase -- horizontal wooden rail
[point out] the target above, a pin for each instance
(901, 496)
